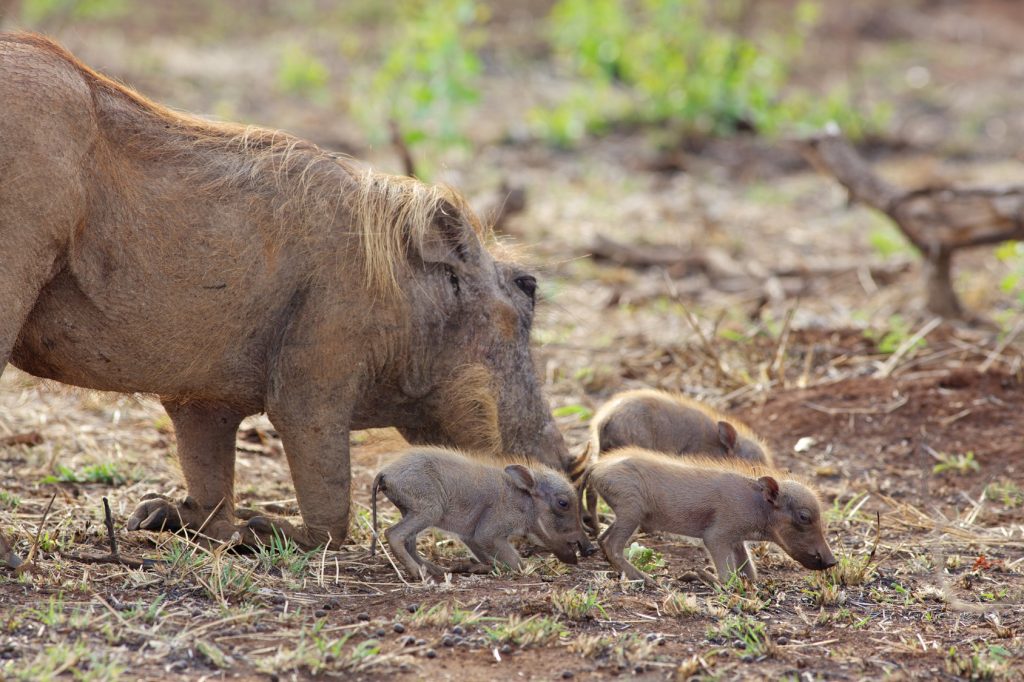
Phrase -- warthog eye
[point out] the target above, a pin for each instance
(563, 503)
(804, 516)
(528, 285)
(453, 279)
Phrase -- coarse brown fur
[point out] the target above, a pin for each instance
(231, 270)
(484, 503)
(723, 502)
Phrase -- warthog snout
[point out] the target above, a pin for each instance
(826, 560)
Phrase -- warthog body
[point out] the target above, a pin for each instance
(484, 504)
(724, 504)
(232, 270)
(673, 424)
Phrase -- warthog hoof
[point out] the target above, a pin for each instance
(267, 529)
(160, 513)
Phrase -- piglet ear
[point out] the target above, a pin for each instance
(770, 488)
(727, 436)
(521, 477)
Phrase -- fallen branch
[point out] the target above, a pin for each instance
(937, 221)
(836, 411)
(29, 438)
(30, 559)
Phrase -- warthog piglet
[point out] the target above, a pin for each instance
(722, 503)
(674, 424)
(481, 503)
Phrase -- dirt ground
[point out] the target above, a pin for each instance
(786, 306)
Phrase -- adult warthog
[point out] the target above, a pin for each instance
(232, 270)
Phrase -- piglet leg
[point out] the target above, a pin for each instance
(744, 561)
(505, 553)
(729, 556)
(484, 558)
(401, 537)
(613, 544)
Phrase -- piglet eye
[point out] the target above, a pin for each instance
(528, 285)
(564, 504)
(804, 517)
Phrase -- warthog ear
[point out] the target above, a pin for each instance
(727, 436)
(521, 477)
(449, 239)
(770, 488)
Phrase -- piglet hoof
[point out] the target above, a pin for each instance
(472, 568)
(689, 577)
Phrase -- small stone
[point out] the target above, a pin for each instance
(404, 667)
(661, 641)
(747, 659)
(430, 653)
(408, 640)
(448, 641)
(274, 677)
(738, 644)
(363, 616)
(505, 649)
(568, 674)
(412, 608)
(421, 642)
(783, 640)
(458, 630)
(381, 632)
(652, 636)
(398, 627)
(639, 669)
(320, 613)
(277, 599)
(332, 603)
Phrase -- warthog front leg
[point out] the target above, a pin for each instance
(313, 420)
(206, 453)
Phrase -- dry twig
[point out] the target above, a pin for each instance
(937, 221)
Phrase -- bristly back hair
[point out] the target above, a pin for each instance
(393, 215)
(734, 465)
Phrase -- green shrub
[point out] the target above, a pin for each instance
(301, 73)
(677, 62)
(429, 77)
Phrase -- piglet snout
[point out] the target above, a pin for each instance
(827, 561)
(587, 548)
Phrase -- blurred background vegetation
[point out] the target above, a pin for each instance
(684, 67)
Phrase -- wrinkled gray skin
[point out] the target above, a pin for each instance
(146, 251)
(723, 508)
(666, 426)
(483, 504)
